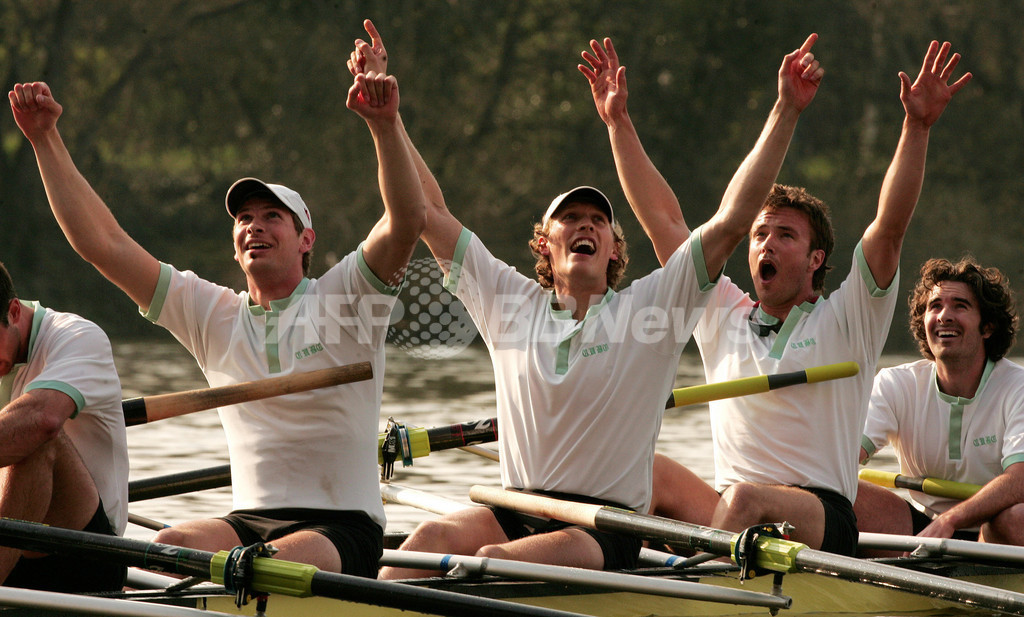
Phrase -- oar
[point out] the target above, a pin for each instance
(269, 575)
(436, 504)
(179, 483)
(616, 581)
(77, 604)
(423, 441)
(757, 384)
(1002, 553)
(929, 486)
(773, 554)
(158, 407)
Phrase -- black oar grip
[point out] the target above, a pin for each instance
(786, 379)
(134, 411)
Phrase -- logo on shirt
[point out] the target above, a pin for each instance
(596, 349)
(807, 342)
(984, 441)
(309, 351)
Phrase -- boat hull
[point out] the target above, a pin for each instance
(812, 594)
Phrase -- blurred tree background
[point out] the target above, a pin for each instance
(167, 103)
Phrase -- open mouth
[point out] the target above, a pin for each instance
(767, 271)
(257, 246)
(583, 246)
(946, 334)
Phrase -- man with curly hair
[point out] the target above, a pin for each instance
(956, 414)
(582, 370)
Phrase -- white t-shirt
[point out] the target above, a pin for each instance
(72, 355)
(804, 435)
(315, 449)
(940, 436)
(580, 403)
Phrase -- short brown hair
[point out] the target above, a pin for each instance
(818, 215)
(992, 290)
(616, 267)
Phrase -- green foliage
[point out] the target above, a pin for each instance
(167, 103)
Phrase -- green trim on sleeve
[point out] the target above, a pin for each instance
(60, 386)
(704, 281)
(451, 280)
(868, 445)
(1012, 459)
(869, 279)
(156, 305)
(372, 279)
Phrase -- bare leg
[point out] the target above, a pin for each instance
(746, 504)
(50, 486)
(880, 510)
(1007, 527)
(680, 494)
(460, 533)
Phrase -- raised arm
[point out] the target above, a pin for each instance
(645, 188)
(442, 230)
(799, 78)
(86, 221)
(924, 101)
(388, 247)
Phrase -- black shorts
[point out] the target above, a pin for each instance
(920, 520)
(358, 539)
(840, 535)
(69, 573)
(620, 551)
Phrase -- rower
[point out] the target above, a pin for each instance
(65, 453)
(792, 454)
(304, 466)
(572, 356)
(957, 414)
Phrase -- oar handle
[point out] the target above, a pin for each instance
(151, 408)
(583, 514)
(936, 487)
(759, 383)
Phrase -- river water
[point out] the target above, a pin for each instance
(417, 391)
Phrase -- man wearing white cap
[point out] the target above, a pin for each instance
(303, 466)
(581, 370)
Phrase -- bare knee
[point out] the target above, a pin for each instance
(494, 551)
(172, 536)
(432, 536)
(1007, 527)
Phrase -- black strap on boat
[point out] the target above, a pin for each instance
(389, 450)
(239, 572)
(396, 441)
(744, 552)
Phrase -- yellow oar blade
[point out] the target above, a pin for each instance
(929, 486)
(757, 384)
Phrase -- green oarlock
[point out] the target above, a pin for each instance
(271, 575)
(774, 554)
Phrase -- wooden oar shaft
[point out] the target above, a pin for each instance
(930, 486)
(773, 554)
(269, 575)
(158, 407)
(760, 383)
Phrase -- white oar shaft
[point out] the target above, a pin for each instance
(943, 546)
(481, 452)
(393, 493)
(67, 604)
(578, 576)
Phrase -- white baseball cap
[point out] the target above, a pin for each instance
(580, 194)
(246, 187)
